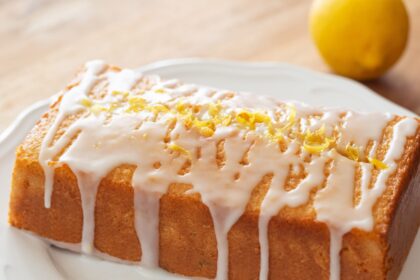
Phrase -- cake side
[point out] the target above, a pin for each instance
(188, 246)
(404, 212)
(299, 245)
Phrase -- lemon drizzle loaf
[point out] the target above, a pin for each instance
(221, 145)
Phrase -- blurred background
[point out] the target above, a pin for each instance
(43, 42)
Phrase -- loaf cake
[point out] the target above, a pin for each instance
(212, 183)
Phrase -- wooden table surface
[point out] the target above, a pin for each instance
(43, 42)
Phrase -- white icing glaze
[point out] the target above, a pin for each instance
(334, 203)
(68, 105)
(277, 198)
(99, 142)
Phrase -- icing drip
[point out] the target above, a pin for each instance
(277, 198)
(334, 203)
(149, 185)
(229, 142)
(67, 107)
(147, 226)
(88, 185)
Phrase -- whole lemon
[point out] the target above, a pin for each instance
(360, 39)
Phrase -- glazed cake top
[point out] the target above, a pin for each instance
(223, 144)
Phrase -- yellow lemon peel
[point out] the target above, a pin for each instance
(246, 118)
(261, 117)
(205, 127)
(214, 109)
(136, 104)
(317, 142)
(180, 108)
(313, 142)
(206, 131)
(160, 90)
(177, 148)
(158, 108)
(352, 152)
(121, 93)
(96, 109)
(276, 136)
(188, 120)
(377, 163)
(226, 120)
(86, 102)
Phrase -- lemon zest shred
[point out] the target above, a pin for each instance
(205, 127)
(177, 148)
(316, 142)
(158, 108)
(316, 148)
(246, 119)
(291, 117)
(206, 131)
(180, 107)
(377, 163)
(136, 104)
(313, 142)
(226, 120)
(352, 152)
(122, 93)
(160, 90)
(261, 118)
(86, 102)
(188, 120)
(96, 109)
(214, 109)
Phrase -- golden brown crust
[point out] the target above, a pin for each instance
(404, 210)
(299, 246)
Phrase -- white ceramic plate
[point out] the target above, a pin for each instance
(25, 257)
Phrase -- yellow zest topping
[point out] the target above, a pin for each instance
(160, 90)
(262, 118)
(214, 109)
(377, 163)
(291, 116)
(52, 163)
(316, 142)
(246, 118)
(196, 108)
(205, 127)
(122, 93)
(177, 148)
(136, 104)
(86, 102)
(226, 120)
(181, 107)
(206, 131)
(157, 108)
(314, 148)
(275, 135)
(352, 152)
(96, 109)
(188, 120)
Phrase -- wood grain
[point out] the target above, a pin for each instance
(43, 42)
